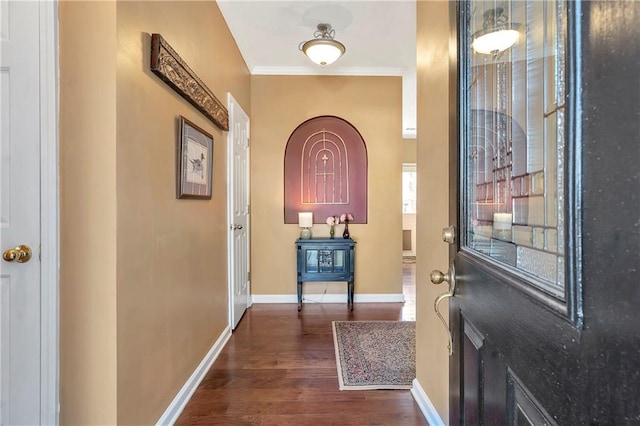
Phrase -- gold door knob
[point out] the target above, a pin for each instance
(438, 277)
(20, 254)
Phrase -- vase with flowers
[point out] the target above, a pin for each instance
(332, 221)
(345, 218)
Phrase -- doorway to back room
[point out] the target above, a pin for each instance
(409, 178)
(409, 184)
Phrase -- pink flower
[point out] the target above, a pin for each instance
(332, 220)
(346, 217)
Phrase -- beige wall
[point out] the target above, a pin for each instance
(409, 150)
(148, 269)
(373, 105)
(433, 197)
(172, 293)
(87, 58)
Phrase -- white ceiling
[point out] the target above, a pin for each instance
(380, 38)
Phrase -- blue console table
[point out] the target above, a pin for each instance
(325, 259)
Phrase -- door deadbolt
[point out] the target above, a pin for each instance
(449, 234)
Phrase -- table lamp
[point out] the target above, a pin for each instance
(305, 221)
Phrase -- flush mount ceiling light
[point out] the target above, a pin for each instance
(323, 49)
(497, 34)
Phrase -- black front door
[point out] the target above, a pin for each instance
(545, 319)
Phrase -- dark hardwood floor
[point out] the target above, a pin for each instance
(279, 368)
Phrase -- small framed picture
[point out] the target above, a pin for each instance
(195, 161)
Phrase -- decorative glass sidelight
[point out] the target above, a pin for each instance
(514, 137)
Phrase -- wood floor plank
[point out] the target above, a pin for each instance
(278, 368)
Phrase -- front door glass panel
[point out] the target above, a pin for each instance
(514, 139)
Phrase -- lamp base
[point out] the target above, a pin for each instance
(305, 234)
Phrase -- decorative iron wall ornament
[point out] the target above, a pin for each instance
(324, 169)
(170, 67)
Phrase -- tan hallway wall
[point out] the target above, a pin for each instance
(168, 283)
(409, 150)
(433, 197)
(87, 152)
(373, 105)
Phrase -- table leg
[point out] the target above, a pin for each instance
(350, 295)
(299, 296)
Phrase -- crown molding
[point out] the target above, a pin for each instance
(353, 71)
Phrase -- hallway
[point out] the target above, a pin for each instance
(409, 290)
(279, 368)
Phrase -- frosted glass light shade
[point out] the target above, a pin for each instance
(323, 51)
(495, 41)
(305, 219)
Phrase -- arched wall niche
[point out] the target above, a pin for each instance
(325, 171)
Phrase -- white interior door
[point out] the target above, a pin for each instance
(20, 286)
(239, 211)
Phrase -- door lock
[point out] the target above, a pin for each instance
(449, 234)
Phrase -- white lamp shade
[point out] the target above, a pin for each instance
(496, 41)
(323, 52)
(305, 219)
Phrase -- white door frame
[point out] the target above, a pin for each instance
(230, 252)
(49, 205)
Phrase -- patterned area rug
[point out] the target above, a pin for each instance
(375, 354)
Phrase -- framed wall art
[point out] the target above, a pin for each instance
(195, 161)
(325, 171)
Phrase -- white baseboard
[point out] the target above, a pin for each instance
(427, 408)
(274, 298)
(379, 298)
(327, 298)
(172, 413)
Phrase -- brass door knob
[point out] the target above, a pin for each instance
(20, 254)
(438, 277)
